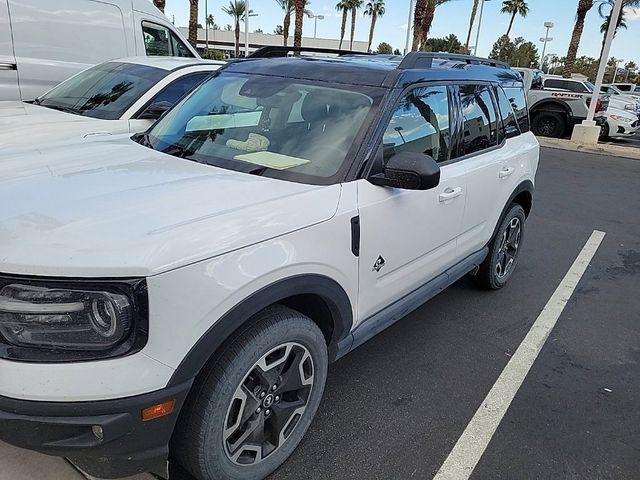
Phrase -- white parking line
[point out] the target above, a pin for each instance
(474, 440)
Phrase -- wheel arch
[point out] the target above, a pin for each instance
(548, 105)
(318, 297)
(523, 196)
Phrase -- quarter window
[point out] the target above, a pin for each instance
(518, 101)
(479, 118)
(508, 116)
(160, 41)
(420, 124)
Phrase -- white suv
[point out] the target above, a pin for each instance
(179, 295)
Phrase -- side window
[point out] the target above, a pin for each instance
(577, 87)
(420, 124)
(552, 83)
(479, 119)
(179, 88)
(160, 41)
(508, 116)
(518, 101)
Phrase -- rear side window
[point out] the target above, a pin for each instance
(160, 41)
(420, 124)
(179, 88)
(507, 115)
(479, 119)
(518, 102)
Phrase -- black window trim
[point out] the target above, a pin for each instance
(171, 32)
(502, 126)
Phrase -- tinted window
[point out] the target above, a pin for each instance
(160, 41)
(420, 124)
(508, 116)
(179, 88)
(553, 83)
(479, 119)
(518, 101)
(105, 91)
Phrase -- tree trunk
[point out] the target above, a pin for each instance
(286, 23)
(474, 9)
(159, 4)
(237, 32)
(430, 12)
(418, 17)
(354, 12)
(343, 27)
(297, 34)
(513, 17)
(193, 23)
(583, 7)
(373, 26)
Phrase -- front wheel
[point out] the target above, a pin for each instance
(549, 124)
(504, 249)
(255, 400)
(604, 131)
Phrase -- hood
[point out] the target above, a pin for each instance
(26, 124)
(621, 113)
(113, 208)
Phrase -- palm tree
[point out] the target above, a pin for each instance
(343, 6)
(423, 18)
(159, 4)
(193, 23)
(375, 9)
(288, 6)
(474, 10)
(583, 8)
(299, 11)
(513, 8)
(355, 5)
(236, 10)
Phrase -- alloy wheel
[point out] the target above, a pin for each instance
(508, 248)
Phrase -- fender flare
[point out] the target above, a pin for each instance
(525, 186)
(551, 105)
(328, 290)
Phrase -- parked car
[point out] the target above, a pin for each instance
(44, 42)
(120, 96)
(184, 291)
(627, 87)
(629, 100)
(618, 124)
(556, 104)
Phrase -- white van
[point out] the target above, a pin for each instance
(43, 43)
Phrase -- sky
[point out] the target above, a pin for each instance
(452, 17)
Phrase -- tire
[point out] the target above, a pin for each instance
(232, 394)
(497, 268)
(604, 132)
(549, 124)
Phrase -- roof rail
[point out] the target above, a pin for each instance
(425, 60)
(280, 51)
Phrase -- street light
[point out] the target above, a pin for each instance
(246, 28)
(547, 38)
(615, 71)
(315, 23)
(406, 45)
(475, 48)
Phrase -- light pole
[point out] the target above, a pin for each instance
(615, 71)
(206, 25)
(475, 47)
(315, 23)
(547, 38)
(246, 28)
(406, 45)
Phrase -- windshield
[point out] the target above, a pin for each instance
(590, 86)
(105, 91)
(281, 127)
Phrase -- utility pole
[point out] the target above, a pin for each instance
(406, 45)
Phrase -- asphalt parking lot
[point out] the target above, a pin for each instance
(396, 407)
(633, 141)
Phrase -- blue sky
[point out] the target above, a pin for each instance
(452, 17)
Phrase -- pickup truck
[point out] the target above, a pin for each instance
(557, 104)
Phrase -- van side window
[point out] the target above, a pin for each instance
(480, 124)
(420, 124)
(507, 115)
(160, 41)
(518, 101)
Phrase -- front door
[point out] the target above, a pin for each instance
(9, 89)
(407, 237)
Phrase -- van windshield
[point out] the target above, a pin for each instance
(286, 128)
(105, 91)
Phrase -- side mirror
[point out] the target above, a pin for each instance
(410, 171)
(155, 110)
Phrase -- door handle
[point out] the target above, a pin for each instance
(8, 66)
(506, 171)
(449, 194)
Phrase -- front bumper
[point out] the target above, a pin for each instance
(128, 445)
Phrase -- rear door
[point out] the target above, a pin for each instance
(9, 89)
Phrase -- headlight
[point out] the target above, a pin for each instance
(629, 106)
(620, 118)
(57, 322)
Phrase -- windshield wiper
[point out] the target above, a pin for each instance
(62, 108)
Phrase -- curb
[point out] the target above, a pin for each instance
(600, 149)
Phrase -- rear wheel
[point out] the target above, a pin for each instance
(549, 124)
(504, 250)
(254, 402)
(604, 131)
